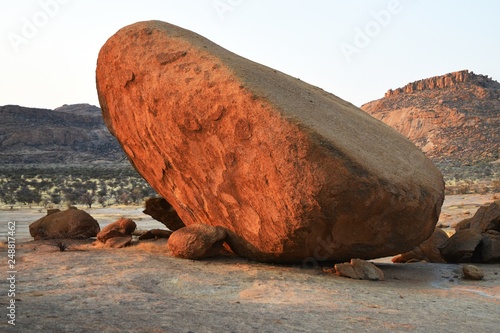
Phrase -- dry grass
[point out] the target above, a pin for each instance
(158, 246)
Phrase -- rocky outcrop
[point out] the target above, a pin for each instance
(289, 170)
(71, 223)
(71, 134)
(197, 241)
(453, 118)
(449, 80)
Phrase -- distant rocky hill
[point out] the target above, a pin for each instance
(453, 118)
(71, 134)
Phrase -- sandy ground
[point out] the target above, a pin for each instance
(144, 289)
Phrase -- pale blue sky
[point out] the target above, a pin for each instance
(355, 49)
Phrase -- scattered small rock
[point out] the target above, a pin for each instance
(346, 270)
(472, 272)
(360, 269)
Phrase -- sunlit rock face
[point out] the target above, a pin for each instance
(290, 171)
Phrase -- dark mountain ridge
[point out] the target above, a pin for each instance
(70, 134)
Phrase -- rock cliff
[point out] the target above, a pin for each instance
(453, 117)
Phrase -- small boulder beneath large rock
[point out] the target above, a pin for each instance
(161, 210)
(117, 234)
(197, 241)
(71, 223)
(359, 269)
(471, 272)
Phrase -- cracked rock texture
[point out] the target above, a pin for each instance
(290, 171)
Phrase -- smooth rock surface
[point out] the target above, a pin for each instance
(70, 223)
(284, 166)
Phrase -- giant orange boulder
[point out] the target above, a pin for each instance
(290, 171)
